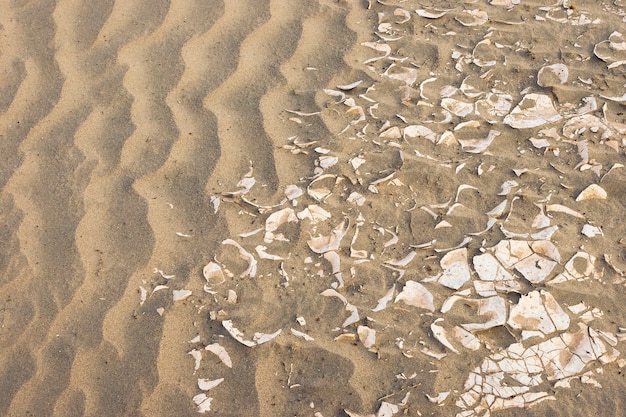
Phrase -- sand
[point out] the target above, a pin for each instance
(127, 128)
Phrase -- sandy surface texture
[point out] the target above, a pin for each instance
(324, 208)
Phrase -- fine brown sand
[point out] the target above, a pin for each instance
(119, 120)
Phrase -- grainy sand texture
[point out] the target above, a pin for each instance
(323, 208)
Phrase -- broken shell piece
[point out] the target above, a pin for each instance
(322, 244)
(492, 308)
(478, 145)
(258, 338)
(467, 339)
(441, 335)
(293, 191)
(314, 213)
(591, 231)
(591, 192)
(302, 335)
(354, 313)
(534, 110)
(612, 51)
(455, 269)
(382, 302)
(252, 263)
(180, 295)
(275, 220)
(439, 398)
(213, 274)
(472, 18)
(261, 251)
(535, 268)
(221, 353)
(552, 75)
(415, 294)
(203, 403)
(367, 336)
(431, 14)
(207, 384)
(538, 311)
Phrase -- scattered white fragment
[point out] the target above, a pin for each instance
(197, 357)
(261, 251)
(442, 336)
(367, 336)
(322, 244)
(534, 110)
(203, 402)
(455, 269)
(594, 191)
(252, 263)
(180, 295)
(258, 338)
(591, 231)
(221, 353)
(415, 294)
(382, 302)
(277, 219)
(207, 384)
(213, 274)
(552, 75)
(301, 334)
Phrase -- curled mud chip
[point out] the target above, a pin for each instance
(534, 110)
(594, 191)
(552, 75)
(259, 338)
(213, 274)
(415, 294)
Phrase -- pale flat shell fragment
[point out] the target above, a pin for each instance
(260, 338)
(203, 403)
(350, 86)
(457, 107)
(261, 251)
(472, 18)
(563, 209)
(221, 353)
(489, 269)
(236, 333)
(356, 198)
(442, 336)
(367, 336)
(314, 213)
(213, 274)
(302, 335)
(180, 295)
(402, 262)
(533, 313)
(387, 409)
(293, 191)
(535, 268)
(455, 267)
(591, 231)
(594, 191)
(323, 244)
(207, 384)
(534, 110)
(493, 308)
(414, 131)
(244, 254)
(197, 357)
(415, 294)
(382, 302)
(467, 339)
(431, 14)
(478, 145)
(552, 75)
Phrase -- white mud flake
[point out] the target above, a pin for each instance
(534, 110)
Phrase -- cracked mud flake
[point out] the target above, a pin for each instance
(413, 135)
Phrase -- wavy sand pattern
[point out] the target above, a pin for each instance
(122, 122)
